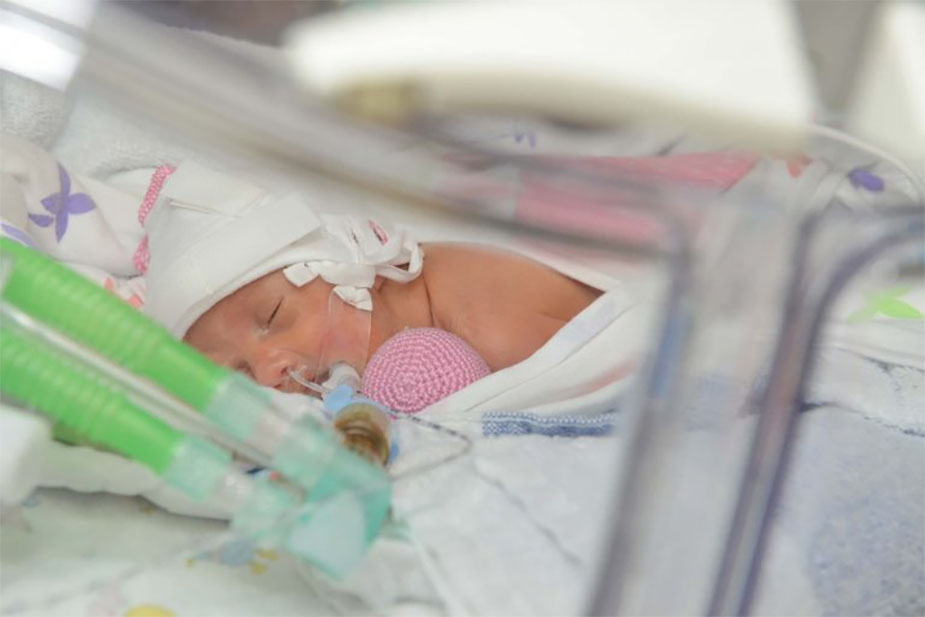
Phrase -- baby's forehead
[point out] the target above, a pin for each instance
(232, 310)
(253, 292)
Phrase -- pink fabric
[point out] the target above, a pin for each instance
(420, 366)
(548, 202)
(717, 170)
(142, 257)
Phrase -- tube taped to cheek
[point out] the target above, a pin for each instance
(345, 338)
(347, 333)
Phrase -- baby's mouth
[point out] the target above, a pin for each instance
(306, 383)
(321, 378)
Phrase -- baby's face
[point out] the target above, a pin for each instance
(269, 327)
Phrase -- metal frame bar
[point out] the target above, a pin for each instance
(806, 308)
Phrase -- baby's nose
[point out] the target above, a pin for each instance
(272, 369)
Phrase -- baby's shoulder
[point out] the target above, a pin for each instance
(477, 275)
(493, 276)
(504, 305)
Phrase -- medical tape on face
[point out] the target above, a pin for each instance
(345, 337)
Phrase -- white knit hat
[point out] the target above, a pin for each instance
(210, 234)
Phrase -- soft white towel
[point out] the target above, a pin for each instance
(31, 110)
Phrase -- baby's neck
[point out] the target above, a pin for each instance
(397, 306)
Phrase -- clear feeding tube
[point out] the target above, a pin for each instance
(346, 340)
(342, 349)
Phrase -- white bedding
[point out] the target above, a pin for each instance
(508, 531)
(72, 554)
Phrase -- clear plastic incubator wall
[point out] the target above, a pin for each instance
(734, 425)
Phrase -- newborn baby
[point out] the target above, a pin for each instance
(265, 285)
(505, 306)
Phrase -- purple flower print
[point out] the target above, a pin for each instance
(18, 234)
(861, 177)
(530, 136)
(61, 205)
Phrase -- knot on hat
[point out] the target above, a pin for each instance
(369, 251)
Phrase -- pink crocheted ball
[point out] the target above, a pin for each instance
(420, 366)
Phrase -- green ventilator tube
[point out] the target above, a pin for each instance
(76, 395)
(305, 451)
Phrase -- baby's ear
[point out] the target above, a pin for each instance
(377, 284)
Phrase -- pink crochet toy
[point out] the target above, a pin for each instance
(420, 366)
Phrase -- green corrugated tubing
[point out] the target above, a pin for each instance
(76, 396)
(75, 307)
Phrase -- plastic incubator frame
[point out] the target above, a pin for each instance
(786, 268)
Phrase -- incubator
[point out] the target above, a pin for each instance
(649, 459)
